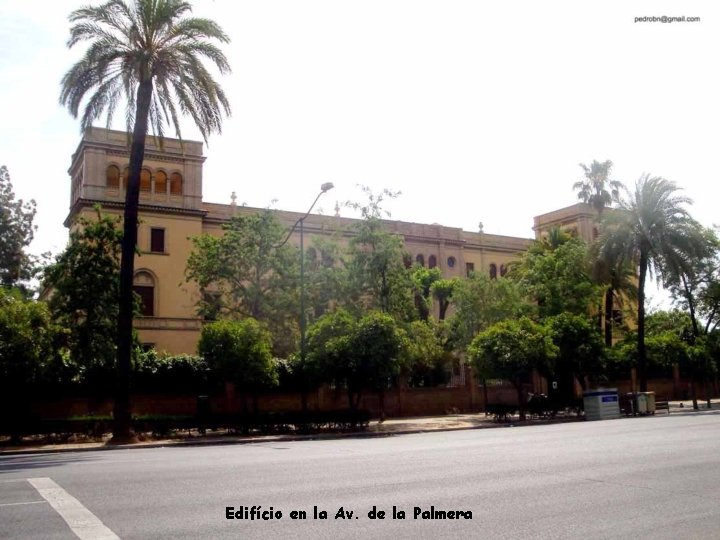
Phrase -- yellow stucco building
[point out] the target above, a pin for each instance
(172, 212)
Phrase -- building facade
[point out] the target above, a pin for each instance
(172, 212)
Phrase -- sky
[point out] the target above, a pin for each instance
(474, 111)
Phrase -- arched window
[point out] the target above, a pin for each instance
(407, 260)
(145, 180)
(432, 261)
(493, 271)
(503, 270)
(144, 287)
(176, 181)
(160, 182)
(451, 262)
(112, 177)
(420, 259)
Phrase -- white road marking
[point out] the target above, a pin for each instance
(81, 521)
(21, 503)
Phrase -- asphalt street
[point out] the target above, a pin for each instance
(634, 478)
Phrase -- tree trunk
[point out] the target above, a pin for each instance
(485, 395)
(382, 404)
(693, 395)
(642, 354)
(707, 394)
(351, 402)
(609, 296)
(122, 421)
(444, 304)
(246, 413)
(521, 399)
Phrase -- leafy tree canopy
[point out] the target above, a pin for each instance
(376, 266)
(580, 347)
(84, 283)
(244, 274)
(239, 351)
(423, 358)
(558, 279)
(357, 354)
(16, 233)
(512, 350)
(27, 337)
(480, 302)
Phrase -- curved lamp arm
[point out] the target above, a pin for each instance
(327, 186)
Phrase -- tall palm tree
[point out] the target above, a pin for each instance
(593, 189)
(616, 274)
(654, 229)
(149, 54)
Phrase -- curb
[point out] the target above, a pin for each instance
(279, 438)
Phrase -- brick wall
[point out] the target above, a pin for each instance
(398, 401)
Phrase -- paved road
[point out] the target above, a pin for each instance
(632, 478)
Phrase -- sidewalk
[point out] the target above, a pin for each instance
(390, 427)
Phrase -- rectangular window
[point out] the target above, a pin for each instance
(469, 268)
(157, 240)
(147, 297)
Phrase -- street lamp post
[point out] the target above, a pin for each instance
(327, 186)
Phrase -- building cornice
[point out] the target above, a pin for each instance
(86, 203)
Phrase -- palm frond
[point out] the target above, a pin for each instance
(131, 42)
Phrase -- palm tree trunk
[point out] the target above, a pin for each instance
(122, 424)
(609, 296)
(642, 355)
(521, 398)
(444, 304)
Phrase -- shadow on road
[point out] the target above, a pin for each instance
(42, 461)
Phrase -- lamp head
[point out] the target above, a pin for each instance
(327, 186)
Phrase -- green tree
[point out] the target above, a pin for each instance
(27, 336)
(356, 354)
(16, 233)
(512, 350)
(481, 302)
(667, 338)
(615, 273)
(375, 266)
(376, 345)
(442, 290)
(243, 274)
(695, 285)
(328, 346)
(423, 280)
(598, 191)
(424, 361)
(84, 280)
(580, 351)
(149, 54)
(653, 228)
(239, 352)
(557, 278)
(326, 277)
